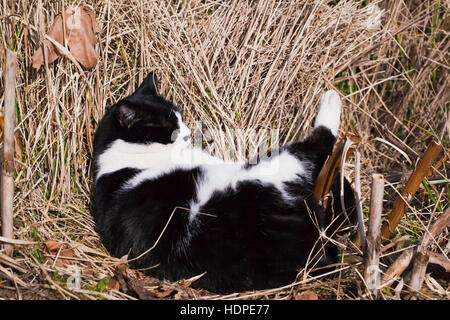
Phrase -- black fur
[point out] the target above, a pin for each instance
(255, 239)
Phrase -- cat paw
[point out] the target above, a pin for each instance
(329, 114)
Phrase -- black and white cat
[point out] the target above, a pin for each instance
(246, 226)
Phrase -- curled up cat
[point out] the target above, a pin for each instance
(179, 212)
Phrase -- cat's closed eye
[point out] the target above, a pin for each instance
(157, 122)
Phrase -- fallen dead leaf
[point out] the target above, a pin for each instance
(113, 284)
(80, 29)
(306, 295)
(68, 253)
(164, 294)
(149, 288)
(53, 249)
(88, 271)
(53, 246)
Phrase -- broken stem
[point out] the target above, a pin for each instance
(441, 260)
(423, 255)
(372, 250)
(410, 189)
(7, 179)
(399, 265)
(361, 240)
(331, 167)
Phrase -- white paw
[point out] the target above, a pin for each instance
(329, 114)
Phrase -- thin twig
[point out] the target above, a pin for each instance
(361, 240)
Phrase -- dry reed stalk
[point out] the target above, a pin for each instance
(399, 265)
(331, 167)
(372, 250)
(10, 262)
(439, 163)
(9, 274)
(394, 243)
(361, 235)
(440, 259)
(7, 179)
(410, 189)
(423, 255)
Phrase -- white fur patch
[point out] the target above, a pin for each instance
(184, 132)
(121, 154)
(275, 171)
(178, 157)
(329, 114)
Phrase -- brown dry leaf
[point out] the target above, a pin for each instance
(306, 295)
(164, 294)
(88, 271)
(80, 27)
(53, 246)
(113, 284)
(18, 146)
(69, 253)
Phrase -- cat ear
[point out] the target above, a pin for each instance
(126, 115)
(148, 86)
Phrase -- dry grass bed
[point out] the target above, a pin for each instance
(233, 65)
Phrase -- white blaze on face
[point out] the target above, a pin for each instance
(184, 133)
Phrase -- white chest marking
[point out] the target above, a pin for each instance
(121, 154)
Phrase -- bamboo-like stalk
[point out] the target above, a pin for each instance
(418, 273)
(439, 259)
(7, 180)
(423, 255)
(331, 167)
(399, 265)
(373, 241)
(327, 173)
(438, 164)
(410, 189)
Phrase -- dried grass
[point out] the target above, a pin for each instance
(233, 65)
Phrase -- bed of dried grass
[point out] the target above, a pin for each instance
(232, 65)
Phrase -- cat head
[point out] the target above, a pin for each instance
(144, 117)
